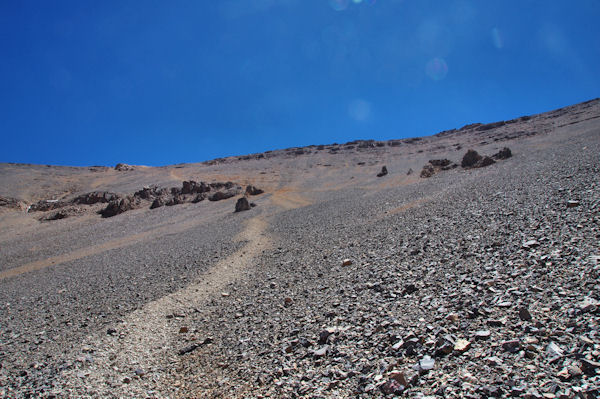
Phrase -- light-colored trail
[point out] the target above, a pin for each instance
(148, 338)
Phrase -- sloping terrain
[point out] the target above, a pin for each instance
(474, 282)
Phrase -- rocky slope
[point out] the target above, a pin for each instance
(469, 282)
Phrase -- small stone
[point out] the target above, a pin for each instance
(572, 203)
(426, 363)
(183, 330)
(462, 345)
(324, 336)
(126, 380)
(409, 289)
(187, 349)
(383, 172)
(140, 372)
(288, 301)
(224, 294)
(575, 371)
(111, 331)
(445, 349)
(392, 387)
(346, 262)
(482, 334)
(524, 314)
(453, 317)
(321, 352)
(589, 366)
(531, 244)
(399, 377)
(493, 361)
(495, 323)
(554, 350)
(511, 346)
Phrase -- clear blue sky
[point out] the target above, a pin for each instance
(161, 82)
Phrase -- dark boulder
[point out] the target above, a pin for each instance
(118, 206)
(157, 203)
(383, 172)
(251, 190)
(198, 198)
(470, 159)
(485, 161)
(242, 204)
(440, 163)
(221, 195)
(427, 171)
(192, 187)
(504, 153)
(175, 200)
(123, 167)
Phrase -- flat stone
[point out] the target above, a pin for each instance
(511, 346)
(482, 334)
(462, 345)
(426, 363)
(554, 350)
(531, 244)
(321, 352)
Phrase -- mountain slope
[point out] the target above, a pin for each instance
(490, 272)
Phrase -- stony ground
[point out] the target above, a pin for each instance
(471, 283)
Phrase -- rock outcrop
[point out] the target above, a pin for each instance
(242, 204)
(11, 203)
(251, 190)
(504, 153)
(435, 165)
(123, 167)
(470, 159)
(149, 196)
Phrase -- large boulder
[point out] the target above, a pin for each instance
(440, 163)
(485, 161)
(221, 195)
(428, 171)
(158, 202)
(192, 187)
(504, 153)
(118, 206)
(242, 204)
(470, 159)
(123, 167)
(251, 190)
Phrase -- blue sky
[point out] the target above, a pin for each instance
(156, 82)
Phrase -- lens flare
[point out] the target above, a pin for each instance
(339, 5)
(436, 69)
(359, 110)
(497, 38)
